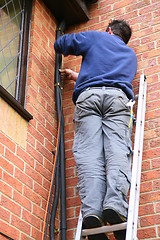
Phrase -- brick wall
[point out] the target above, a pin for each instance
(144, 17)
(26, 159)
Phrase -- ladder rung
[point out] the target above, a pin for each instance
(104, 229)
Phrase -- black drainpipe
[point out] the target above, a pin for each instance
(60, 170)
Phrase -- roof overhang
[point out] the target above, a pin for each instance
(70, 11)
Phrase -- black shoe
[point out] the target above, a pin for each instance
(93, 221)
(111, 216)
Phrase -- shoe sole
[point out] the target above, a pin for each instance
(93, 222)
(112, 217)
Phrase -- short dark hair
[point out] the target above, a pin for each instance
(120, 28)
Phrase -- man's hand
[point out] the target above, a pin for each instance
(68, 74)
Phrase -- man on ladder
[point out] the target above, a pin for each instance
(102, 144)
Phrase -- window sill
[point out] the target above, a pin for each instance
(15, 104)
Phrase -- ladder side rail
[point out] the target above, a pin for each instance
(136, 161)
(140, 161)
(134, 169)
(79, 227)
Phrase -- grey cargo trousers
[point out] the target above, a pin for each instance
(102, 150)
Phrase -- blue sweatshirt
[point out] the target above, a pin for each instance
(106, 60)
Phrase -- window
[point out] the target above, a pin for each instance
(15, 17)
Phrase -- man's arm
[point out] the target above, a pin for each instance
(68, 74)
(72, 44)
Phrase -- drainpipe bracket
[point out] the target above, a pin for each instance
(58, 85)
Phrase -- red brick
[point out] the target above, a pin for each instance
(149, 8)
(155, 104)
(151, 153)
(41, 191)
(150, 220)
(71, 212)
(5, 189)
(40, 148)
(38, 63)
(44, 132)
(33, 80)
(48, 145)
(44, 95)
(25, 156)
(44, 172)
(0, 173)
(147, 233)
(9, 230)
(152, 70)
(20, 224)
(33, 93)
(156, 163)
(5, 214)
(36, 234)
(71, 223)
(154, 123)
(34, 153)
(25, 237)
(1, 149)
(21, 176)
(50, 109)
(70, 191)
(46, 183)
(156, 185)
(158, 207)
(70, 172)
(70, 234)
(7, 142)
(146, 165)
(31, 140)
(69, 144)
(14, 159)
(150, 175)
(6, 165)
(146, 209)
(155, 143)
(146, 187)
(70, 163)
(32, 101)
(31, 219)
(135, 5)
(22, 200)
(33, 174)
(72, 201)
(2, 237)
(48, 164)
(11, 205)
(149, 198)
(10, 180)
(69, 154)
(36, 134)
(40, 118)
(32, 196)
(38, 211)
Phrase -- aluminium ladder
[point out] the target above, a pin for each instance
(131, 224)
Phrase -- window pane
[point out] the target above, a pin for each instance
(10, 43)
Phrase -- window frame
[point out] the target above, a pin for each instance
(19, 104)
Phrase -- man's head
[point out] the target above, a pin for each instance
(120, 28)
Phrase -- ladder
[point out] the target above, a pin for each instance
(131, 224)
